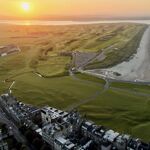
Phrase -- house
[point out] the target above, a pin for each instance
(121, 141)
(3, 145)
(61, 143)
(133, 144)
(8, 49)
(49, 132)
(50, 114)
(110, 135)
(144, 146)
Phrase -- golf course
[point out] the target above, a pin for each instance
(41, 76)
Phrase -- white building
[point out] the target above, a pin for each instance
(63, 144)
(8, 49)
(110, 135)
(49, 132)
(3, 146)
(50, 114)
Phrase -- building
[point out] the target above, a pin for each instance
(50, 114)
(50, 132)
(110, 136)
(121, 141)
(8, 49)
(3, 145)
(19, 112)
(69, 130)
(61, 143)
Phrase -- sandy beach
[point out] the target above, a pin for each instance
(137, 68)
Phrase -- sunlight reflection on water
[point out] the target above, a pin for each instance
(43, 22)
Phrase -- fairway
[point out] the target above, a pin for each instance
(57, 92)
(121, 110)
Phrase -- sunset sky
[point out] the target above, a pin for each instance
(41, 8)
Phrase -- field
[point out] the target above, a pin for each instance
(122, 48)
(122, 108)
(41, 75)
(48, 49)
(57, 92)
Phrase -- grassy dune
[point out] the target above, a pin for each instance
(122, 48)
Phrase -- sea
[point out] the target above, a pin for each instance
(44, 22)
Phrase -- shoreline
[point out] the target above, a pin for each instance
(48, 23)
(136, 69)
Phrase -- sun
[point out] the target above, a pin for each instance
(25, 6)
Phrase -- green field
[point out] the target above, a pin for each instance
(43, 48)
(46, 50)
(122, 110)
(58, 92)
(119, 108)
(122, 48)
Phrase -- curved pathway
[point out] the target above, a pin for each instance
(90, 98)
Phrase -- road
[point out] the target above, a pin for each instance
(135, 69)
(98, 75)
(105, 88)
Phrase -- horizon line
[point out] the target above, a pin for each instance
(76, 18)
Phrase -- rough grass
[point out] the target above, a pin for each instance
(134, 87)
(125, 48)
(122, 111)
(53, 66)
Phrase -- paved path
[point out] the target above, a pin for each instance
(90, 98)
(105, 88)
(137, 68)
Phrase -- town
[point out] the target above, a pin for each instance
(25, 127)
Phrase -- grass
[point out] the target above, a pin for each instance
(126, 47)
(42, 54)
(90, 78)
(4, 87)
(58, 92)
(118, 109)
(121, 111)
(134, 87)
(53, 66)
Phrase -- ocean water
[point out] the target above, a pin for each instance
(43, 22)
